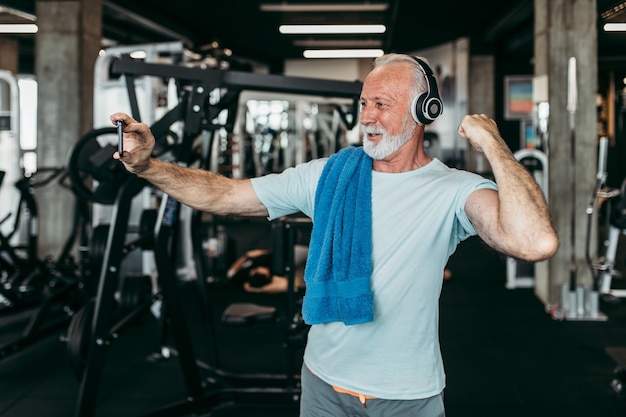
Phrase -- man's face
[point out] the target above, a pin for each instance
(385, 117)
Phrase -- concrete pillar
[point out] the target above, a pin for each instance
(481, 100)
(66, 47)
(564, 29)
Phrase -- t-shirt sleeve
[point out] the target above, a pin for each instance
(464, 227)
(290, 191)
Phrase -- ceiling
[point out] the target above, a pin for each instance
(504, 28)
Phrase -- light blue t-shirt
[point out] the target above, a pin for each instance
(418, 220)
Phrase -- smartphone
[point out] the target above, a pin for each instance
(120, 140)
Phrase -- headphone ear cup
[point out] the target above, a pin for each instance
(432, 108)
(425, 108)
(416, 111)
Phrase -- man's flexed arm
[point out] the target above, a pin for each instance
(516, 219)
(200, 189)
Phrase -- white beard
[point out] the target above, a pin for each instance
(387, 145)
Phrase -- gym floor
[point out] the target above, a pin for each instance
(503, 354)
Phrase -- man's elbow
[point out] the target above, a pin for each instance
(544, 247)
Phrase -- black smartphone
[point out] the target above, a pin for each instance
(120, 139)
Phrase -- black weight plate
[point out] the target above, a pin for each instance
(97, 248)
(94, 174)
(78, 338)
(147, 224)
(134, 291)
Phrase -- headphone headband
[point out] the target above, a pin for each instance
(423, 65)
(426, 107)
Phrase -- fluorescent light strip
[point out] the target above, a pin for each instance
(329, 29)
(18, 28)
(319, 7)
(614, 27)
(342, 53)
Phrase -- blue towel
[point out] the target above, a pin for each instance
(339, 264)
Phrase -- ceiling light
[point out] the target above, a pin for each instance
(18, 28)
(342, 53)
(325, 7)
(614, 27)
(328, 29)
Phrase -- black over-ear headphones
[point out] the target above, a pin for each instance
(427, 106)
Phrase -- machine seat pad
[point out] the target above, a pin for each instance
(247, 313)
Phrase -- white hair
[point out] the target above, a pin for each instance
(419, 77)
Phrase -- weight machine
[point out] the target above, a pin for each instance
(616, 228)
(48, 289)
(9, 143)
(615, 200)
(198, 112)
(42, 290)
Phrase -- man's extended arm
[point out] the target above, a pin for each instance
(199, 189)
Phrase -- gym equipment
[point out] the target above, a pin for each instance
(226, 389)
(572, 102)
(78, 336)
(582, 302)
(49, 289)
(95, 176)
(20, 265)
(135, 296)
(151, 98)
(9, 142)
(605, 267)
(426, 107)
(100, 236)
(601, 177)
(199, 113)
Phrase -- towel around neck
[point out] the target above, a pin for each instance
(339, 264)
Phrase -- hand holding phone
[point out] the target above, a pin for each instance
(120, 140)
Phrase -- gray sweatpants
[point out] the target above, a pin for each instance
(319, 399)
